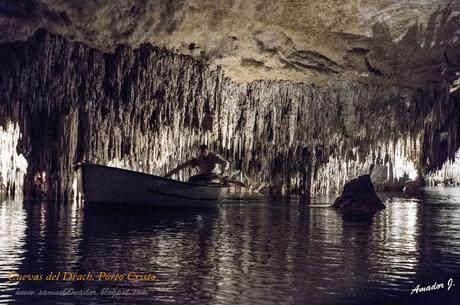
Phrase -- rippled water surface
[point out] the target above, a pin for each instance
(258, 251)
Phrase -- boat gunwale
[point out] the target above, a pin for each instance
(81, 164)
(181, 196)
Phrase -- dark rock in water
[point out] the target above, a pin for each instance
(413, 187)
(359, 197)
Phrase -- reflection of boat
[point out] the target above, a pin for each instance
(108, 186)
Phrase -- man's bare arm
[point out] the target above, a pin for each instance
(224, 163)
(180, 167)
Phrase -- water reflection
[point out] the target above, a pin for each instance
(266, 251)
(12, 236)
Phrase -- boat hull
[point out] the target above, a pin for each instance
(102, 186)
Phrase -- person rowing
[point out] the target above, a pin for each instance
(207, 163)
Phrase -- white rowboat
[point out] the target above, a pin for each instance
(101, 185)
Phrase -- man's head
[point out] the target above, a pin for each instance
(204, 150)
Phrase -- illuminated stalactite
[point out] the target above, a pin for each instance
(13, 166)
(147, 109)
(442, 133)
(398, 160)
(447, 175)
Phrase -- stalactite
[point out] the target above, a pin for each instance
(447, 175)
(13, 166)
(398, 158)
(148, 109)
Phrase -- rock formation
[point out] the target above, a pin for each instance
(412, 187)
(148, 108)
(388, 41)
(359, 198)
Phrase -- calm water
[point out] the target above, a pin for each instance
(264, 251)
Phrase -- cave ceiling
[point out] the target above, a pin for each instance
(413, 42)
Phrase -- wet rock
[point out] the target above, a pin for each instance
(384, 181)
(359, 197)
(381, 174)
(393, 186)
(412, 187)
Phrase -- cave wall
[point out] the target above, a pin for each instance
(147, 109)
(413, 42)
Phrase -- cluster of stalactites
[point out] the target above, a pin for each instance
(387, 162)
(447, 175)
(13, 166)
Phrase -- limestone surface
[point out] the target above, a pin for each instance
(415, 42)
